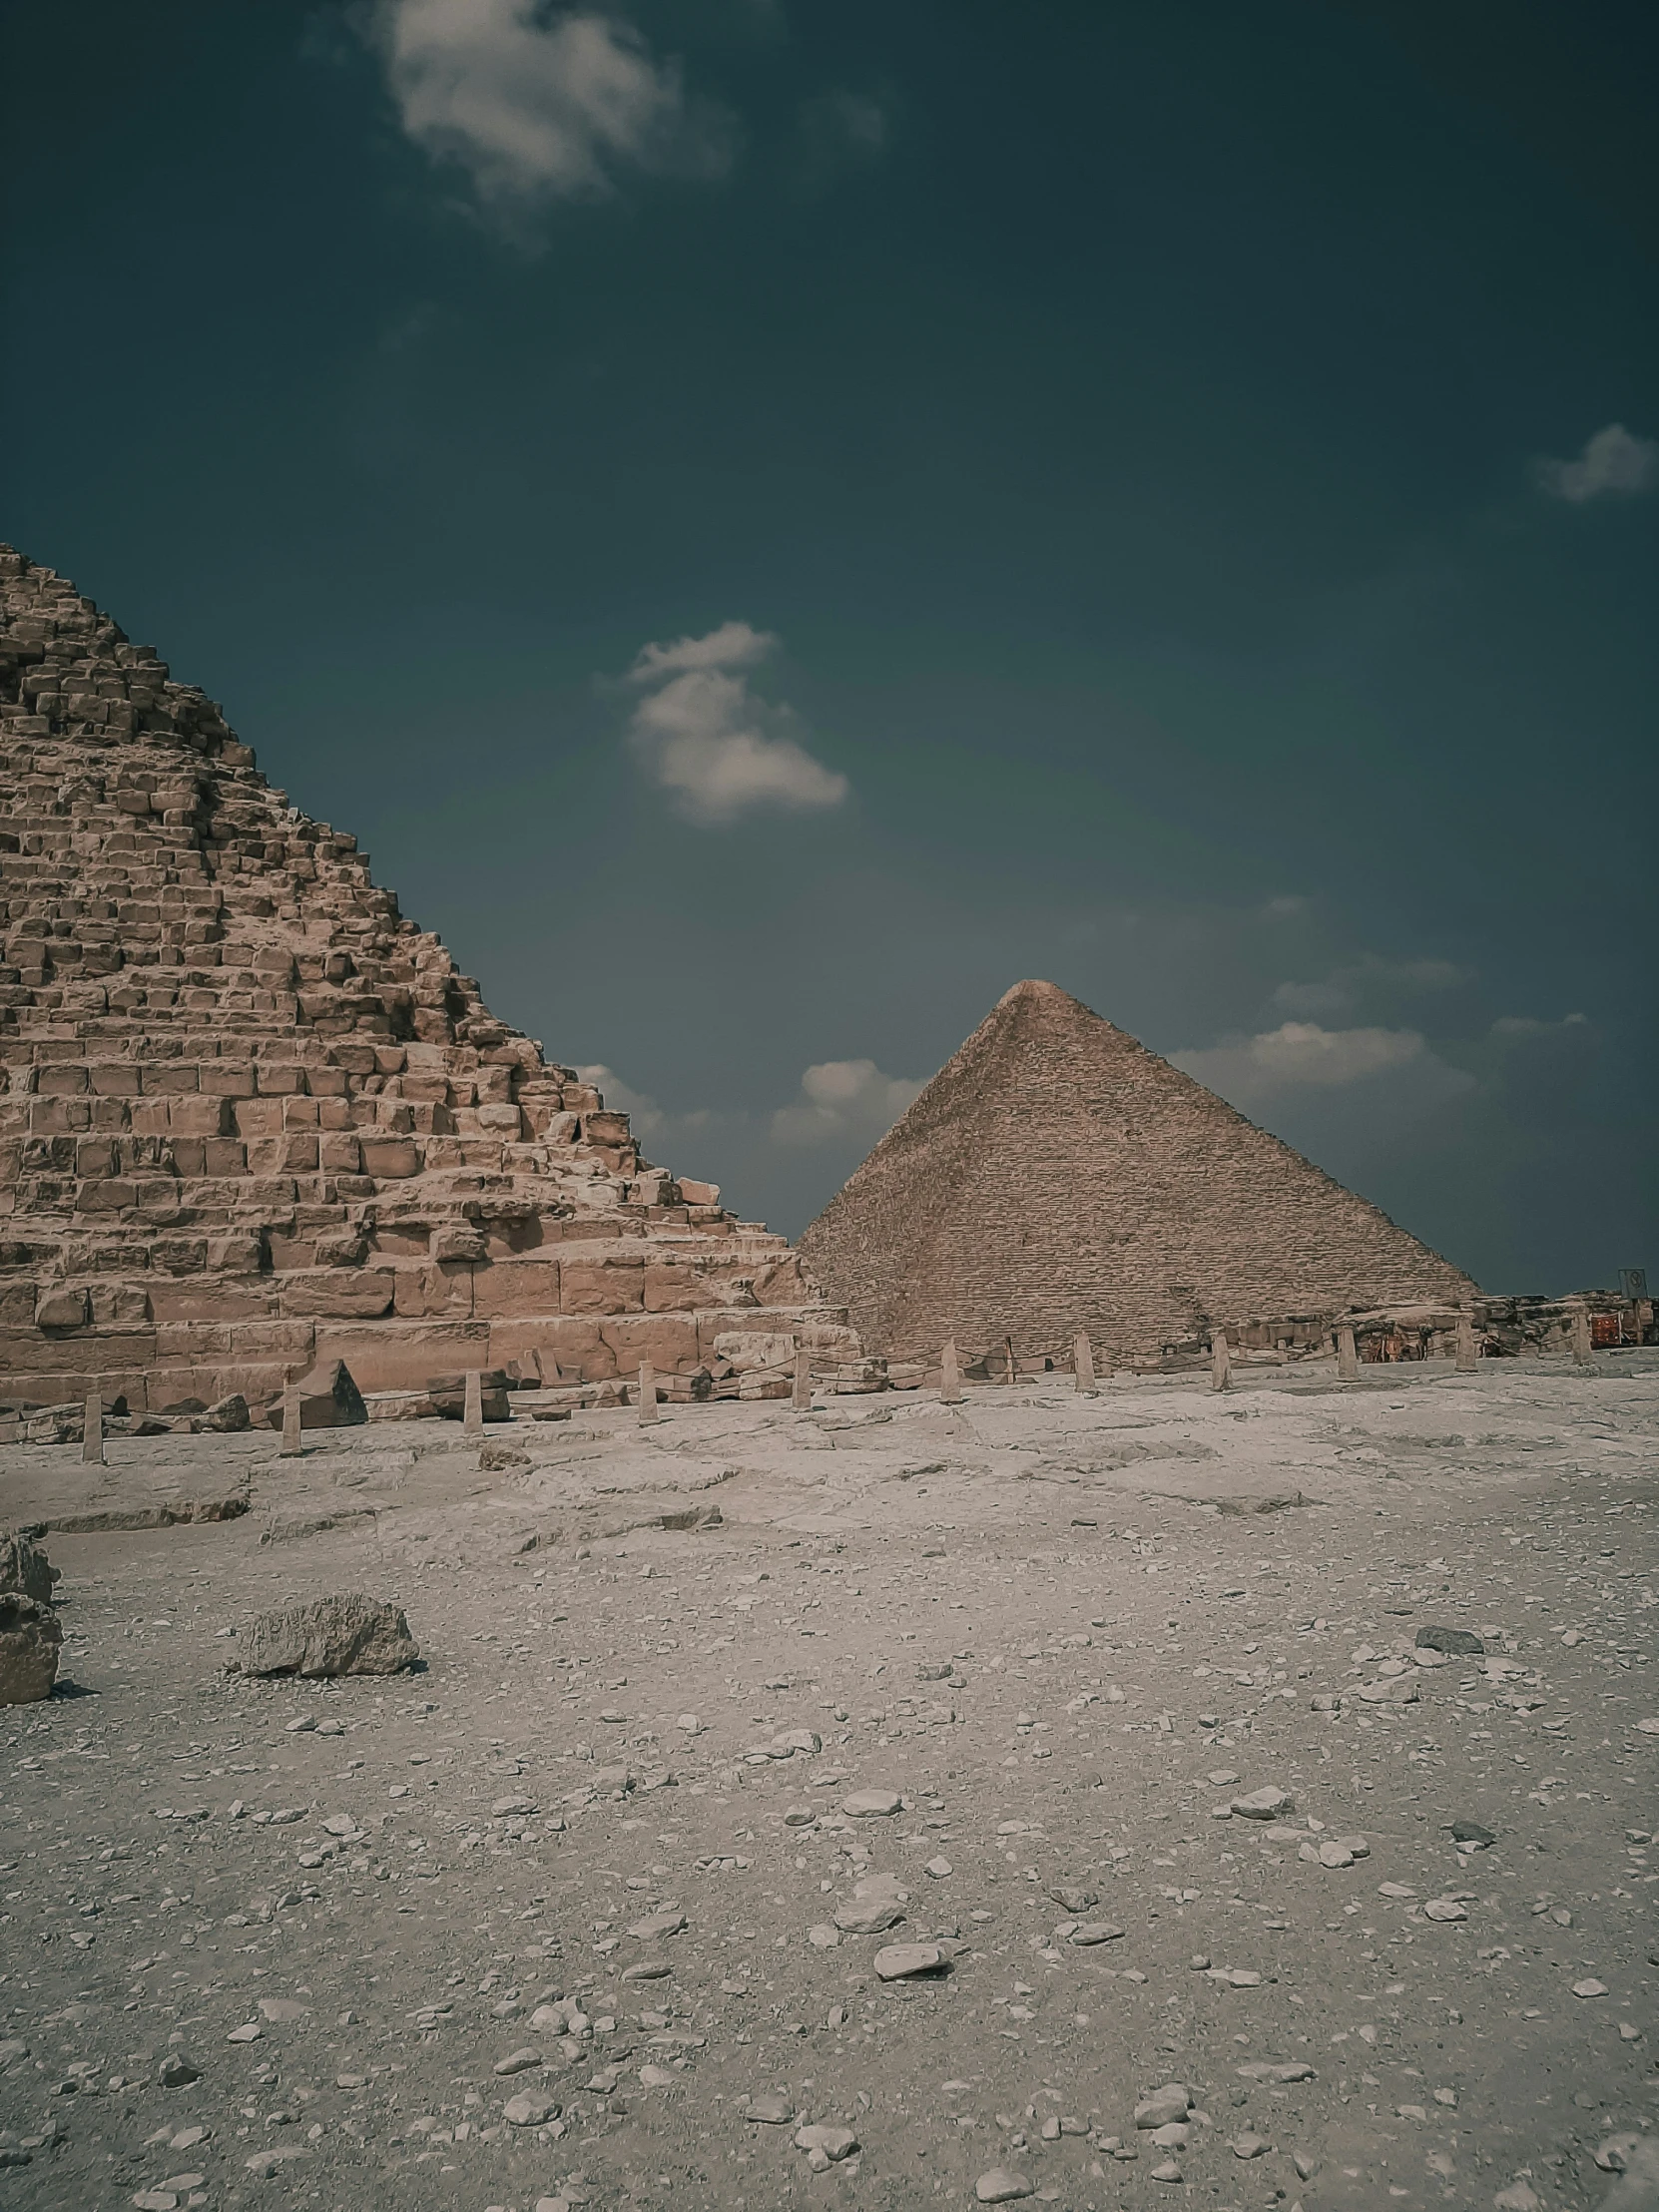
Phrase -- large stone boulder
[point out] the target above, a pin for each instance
(329, 1399)
(29, 1643)
(349, 1634)
(24, 1567)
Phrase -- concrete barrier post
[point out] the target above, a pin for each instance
(1347, 1354)
(950, 1375)
(92, 1431)
(1083, 1361)
(1221, 1360)
(800, 1396)
(291, 1446)
(1465, 1344)
(472, 1417)
(647, 1391)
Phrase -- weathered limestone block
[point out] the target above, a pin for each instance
(329, 1399)
(30, 1638)
(216, 1299)
(338, 1294)
(743, 1350)
(607, 1286)
(668, 1341)
(567, 1347)
(394, 1355)
(62, 1309)
(348, 1634)
(509, 1287)
(431, 1292)
(671, 1288)
(459, 1243)
(389, 1157)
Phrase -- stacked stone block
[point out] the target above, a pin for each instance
(253, 1117)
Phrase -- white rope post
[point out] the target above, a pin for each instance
(1221, 1360)
(291, 1446)
(92, 1431)
(950, 1375)
(1083, 1361)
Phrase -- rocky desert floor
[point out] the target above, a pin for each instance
(595, 1907)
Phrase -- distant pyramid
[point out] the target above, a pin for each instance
(1057, 1176)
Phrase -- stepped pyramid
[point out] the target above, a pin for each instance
(1057, 1176)
(252, 1117)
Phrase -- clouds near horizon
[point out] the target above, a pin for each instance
(1258, 1072)
(842, 1099)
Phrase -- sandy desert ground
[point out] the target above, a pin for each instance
(594, 1909)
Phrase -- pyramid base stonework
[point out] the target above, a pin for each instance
(253, 1120)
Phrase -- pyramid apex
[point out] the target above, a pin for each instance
(1032, 988)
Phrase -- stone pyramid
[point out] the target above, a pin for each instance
(1058, 1176)
(252, 1117)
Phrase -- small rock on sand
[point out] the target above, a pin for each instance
(899, 1962)
(865, 1805)
(1003, 2186)
(348, 1634)
(1263, 1805)
(1461, 1642)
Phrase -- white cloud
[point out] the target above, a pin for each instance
(1520, 1028)
(1345, 986)
(1301, 1056)
(733, 645)
(535, 104)
(1613, 460)
(842, 1098)
(708, 740)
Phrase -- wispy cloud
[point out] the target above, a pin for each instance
(707, 739)
(1369, 977)
(1259, 1071)
(540, 105)
(841, 1099)
(841, 131)
(1614, 460)
(1527, 1028)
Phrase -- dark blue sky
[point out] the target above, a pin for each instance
(1160, 496)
